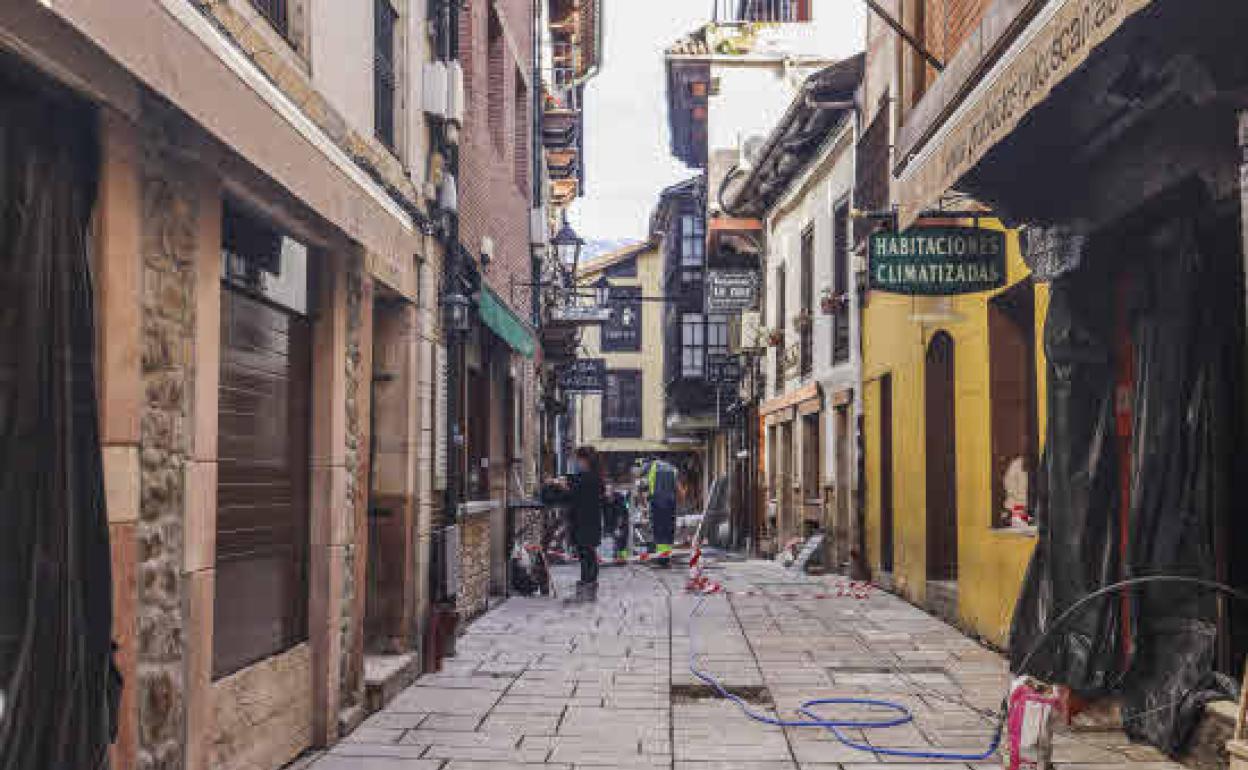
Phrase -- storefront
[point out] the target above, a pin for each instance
(1125, 121)
(953, 393)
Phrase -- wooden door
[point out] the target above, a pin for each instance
(941, 446)
(262, 482)
(886, 473)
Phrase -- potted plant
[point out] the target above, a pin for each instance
(775, 337)
(802, 320)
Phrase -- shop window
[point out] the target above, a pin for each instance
(622, 405)
(385, 72)
(692, 346)
(264, 422)
(1012, 396)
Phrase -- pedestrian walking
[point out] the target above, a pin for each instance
(661, 490)
(583, 494)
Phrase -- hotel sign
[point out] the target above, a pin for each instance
(584, 375)
(938, 261)
(1055, 44)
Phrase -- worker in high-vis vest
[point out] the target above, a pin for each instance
(661, 479)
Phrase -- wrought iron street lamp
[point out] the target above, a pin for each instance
(567, 245)
(457, 311)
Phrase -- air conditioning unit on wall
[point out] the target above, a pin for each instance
(435, 89)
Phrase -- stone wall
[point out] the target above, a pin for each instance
(474, 565)
(263, 714)
(358, 380)
(169, 215)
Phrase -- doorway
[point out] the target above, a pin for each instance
(886, 473)
(941, 448)
(846, 534)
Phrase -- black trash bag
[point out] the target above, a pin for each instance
(56, 668)
(1176, 305)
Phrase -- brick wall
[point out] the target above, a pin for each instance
(494, 199)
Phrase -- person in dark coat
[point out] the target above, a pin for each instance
(584, 495)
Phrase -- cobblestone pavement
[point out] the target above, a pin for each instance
(538, 683)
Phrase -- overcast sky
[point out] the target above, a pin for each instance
(626, 145)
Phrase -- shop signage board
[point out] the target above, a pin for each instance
(1048, 51)
(731, 291)
(622, 331)
(937, 261)
(581, 314)
(584, 375)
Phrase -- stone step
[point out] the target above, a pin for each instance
(385, 676)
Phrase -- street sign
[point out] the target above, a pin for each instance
(938, 261)
(584, 375)
(731, 291)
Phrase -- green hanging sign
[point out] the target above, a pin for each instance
(937, 261)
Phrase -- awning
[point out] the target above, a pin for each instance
(938, 151)
(505, 323)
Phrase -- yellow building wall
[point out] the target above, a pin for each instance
(649, 361)
(991, 562)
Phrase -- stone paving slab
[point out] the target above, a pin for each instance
(539, 684)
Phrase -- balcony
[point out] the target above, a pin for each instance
(761, 11)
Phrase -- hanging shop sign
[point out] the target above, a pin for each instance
(621, 333)
(938, 261)
(581, 314)
(731, 291)
(584, 375)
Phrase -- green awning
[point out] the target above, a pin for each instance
(505, 323)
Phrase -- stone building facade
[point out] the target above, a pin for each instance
(208, 122)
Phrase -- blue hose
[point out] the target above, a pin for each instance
(898, 715)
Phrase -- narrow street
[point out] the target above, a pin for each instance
(536, 682)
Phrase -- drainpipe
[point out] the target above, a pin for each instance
(448, 45)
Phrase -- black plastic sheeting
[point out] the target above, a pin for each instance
(1172, 292)
(56, 668)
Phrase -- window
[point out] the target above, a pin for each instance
(385, 75)
(692, 345)
(497, 73)
(717, 335)
(840, 286)
(692, 248)
(520, 134)
(1012, 389)
(276, 12)
(622, 405)
(781, 290)
(806, 337)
